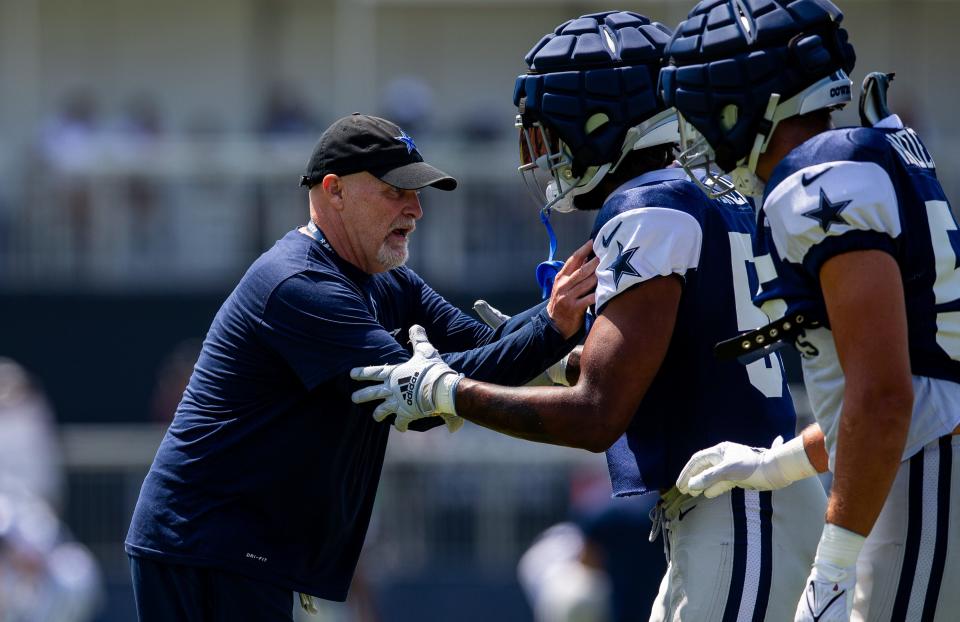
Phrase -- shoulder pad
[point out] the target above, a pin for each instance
(639, 244)
(849, 144)
(830, 199)
(681, 195)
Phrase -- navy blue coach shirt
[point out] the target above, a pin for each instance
(268, 469)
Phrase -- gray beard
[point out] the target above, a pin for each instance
(390, 258)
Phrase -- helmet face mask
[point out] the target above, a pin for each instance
(546, 167)
(832, 92)
(698, 160)
(591, 85)
(736, 70)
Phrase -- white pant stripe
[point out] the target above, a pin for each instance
(928, 533)
(751, 581)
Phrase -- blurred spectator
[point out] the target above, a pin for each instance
(142, 121)
(408, 102)
(616, 539)
(29, 449)
(68, 138)
(141, 128)
(560, 583)
(285, 117)
(598, 566)
(172, 378)
(68, 146)
(483, 123)
(286, 114)
(44, 575)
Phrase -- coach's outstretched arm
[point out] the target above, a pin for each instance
(565, 371)
(620, 358)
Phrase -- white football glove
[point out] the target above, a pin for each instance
(555, 374)
(716, 470)
(829, 594)
(491, 316)
(424, 386)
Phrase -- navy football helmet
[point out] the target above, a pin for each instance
(736, 68)
(590, 98)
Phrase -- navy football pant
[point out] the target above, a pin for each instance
(175, 593)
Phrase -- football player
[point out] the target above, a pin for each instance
(674, 277)
(857, 257)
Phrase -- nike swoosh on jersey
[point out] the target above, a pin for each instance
(806, 181)
(609, 238)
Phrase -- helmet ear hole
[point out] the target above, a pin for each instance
(595, 122)
(728, 117)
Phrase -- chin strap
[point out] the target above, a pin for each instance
(767, 127)
(748, 183)
(547, 270)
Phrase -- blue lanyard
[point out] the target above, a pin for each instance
(317, 235)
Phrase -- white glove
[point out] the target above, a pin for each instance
(716, 470)
(828, 596)
(491, 316)
(555, 374)
(424, 386)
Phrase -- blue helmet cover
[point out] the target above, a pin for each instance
(605, 63)
(739, 52)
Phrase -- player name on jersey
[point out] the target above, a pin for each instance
(908, 146)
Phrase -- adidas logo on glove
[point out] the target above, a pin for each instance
(406, 387)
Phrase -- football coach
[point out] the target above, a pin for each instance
(264, 482)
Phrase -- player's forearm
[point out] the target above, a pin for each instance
(878, 389)
(870, 442)
(555, 415)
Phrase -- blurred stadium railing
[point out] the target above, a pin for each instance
(179, 214)
(191, 214)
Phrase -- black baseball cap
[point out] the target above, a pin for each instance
(360, 142)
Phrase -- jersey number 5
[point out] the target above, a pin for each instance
(946, 288)
(765, 374)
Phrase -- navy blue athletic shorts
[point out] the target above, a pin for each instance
(174, 593)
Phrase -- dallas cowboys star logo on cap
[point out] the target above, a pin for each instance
(621, 265)
(828, 213)
(406, 140)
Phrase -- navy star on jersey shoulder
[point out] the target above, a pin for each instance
(832, 194)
